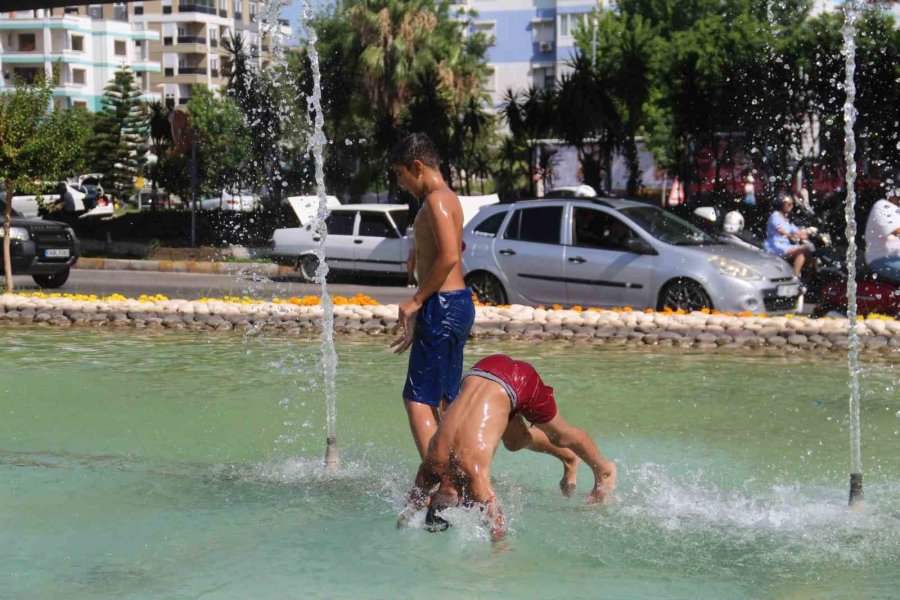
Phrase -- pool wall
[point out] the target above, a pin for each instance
(698, 330)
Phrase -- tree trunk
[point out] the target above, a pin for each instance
(7, 259)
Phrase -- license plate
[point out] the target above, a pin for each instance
(786, 291)
(56, 253)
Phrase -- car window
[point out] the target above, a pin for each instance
(401, 219)
(13, 212)
(597, 229)
(666, 227)
(340, 223)
(373, 224)
(538, 224)
(491, 225)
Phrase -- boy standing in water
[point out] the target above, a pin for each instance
(436, 321)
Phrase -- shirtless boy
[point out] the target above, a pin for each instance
(436, 321)
(495, 395)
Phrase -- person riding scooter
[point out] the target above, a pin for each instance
(786, 240)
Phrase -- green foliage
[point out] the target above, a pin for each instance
(394, 66)
(120, 143)
(38, 142)
(223, 140)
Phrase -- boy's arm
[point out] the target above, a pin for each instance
(565, 436)
(447, 255)
(481, 491)
(426, 478)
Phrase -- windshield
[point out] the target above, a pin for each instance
(13, 212)
(666, 227)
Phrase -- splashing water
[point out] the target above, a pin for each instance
(318, 141)
(849, 50)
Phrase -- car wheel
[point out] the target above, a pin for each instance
(486, 288)
(308, 265)
(684, 294)
(52, 280)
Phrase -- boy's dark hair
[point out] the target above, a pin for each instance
(415, 146)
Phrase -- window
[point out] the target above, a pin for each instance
(539, 225)
(27, 74)
(570, 22)
(488, 29)
(78, 43)
(401, 219)
(79, 76)
(340, 223)
(666, 227)
(374, 224)
(138, 10)
(544, 77)
(490, 226)
(237, 8)
(79, 104)
(120, 48)
(543, 31)
(27, 42)
(597, 229)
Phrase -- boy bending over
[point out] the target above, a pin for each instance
(495, 392)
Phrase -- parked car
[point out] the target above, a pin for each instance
(51, 197)
(237, 200)
(46, 250)
(616, 253)
(368, 238)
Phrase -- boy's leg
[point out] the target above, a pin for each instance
(518, 436)
(423, 422)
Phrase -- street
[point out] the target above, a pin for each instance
(196, 285)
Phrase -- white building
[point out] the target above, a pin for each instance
(88, 52)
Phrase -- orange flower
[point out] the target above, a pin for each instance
(556, 307)
(628, 309)
(577, 309)
(704, 310)
(745, 314)
(648, 310)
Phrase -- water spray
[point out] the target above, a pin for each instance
(848, 31)
(317, 142)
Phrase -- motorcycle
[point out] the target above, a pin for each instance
(729, 228)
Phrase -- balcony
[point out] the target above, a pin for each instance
(214, 42)
(192, 70)
(199, 8)
(214, 72)
(191, 39)
(223, 12)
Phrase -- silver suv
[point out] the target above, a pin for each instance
(616, 253)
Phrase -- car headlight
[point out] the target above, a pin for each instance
(736, 269)
(16, 233)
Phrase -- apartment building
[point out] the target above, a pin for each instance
(171, 44)
(190, 48)
(87, 47)
(532, 40)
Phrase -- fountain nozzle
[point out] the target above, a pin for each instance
(857, 498)
(332, 463)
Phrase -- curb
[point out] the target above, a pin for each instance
(183, 266)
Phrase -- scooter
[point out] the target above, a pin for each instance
(729, 229)
(873, 296)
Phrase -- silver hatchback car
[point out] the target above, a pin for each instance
(616, 253)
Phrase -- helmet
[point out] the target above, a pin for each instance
(734, 222)
(706, 212)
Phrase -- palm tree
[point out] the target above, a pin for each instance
(587, 117)
(530, 116)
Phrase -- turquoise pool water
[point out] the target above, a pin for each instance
(189, 466)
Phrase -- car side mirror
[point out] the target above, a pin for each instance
(636, 245)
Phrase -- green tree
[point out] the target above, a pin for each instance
(531, 117)
(160, 131)
(38, 142)
(120, 144)
(223, 142)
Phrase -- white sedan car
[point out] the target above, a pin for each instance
(368, 238)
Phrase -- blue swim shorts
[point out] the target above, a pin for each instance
(436, 354)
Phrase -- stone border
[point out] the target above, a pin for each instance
(184, 266)
(695, 330)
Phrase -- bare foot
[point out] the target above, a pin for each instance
(570, 475)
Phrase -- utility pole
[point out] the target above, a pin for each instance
(193, 189)
(594, 43)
